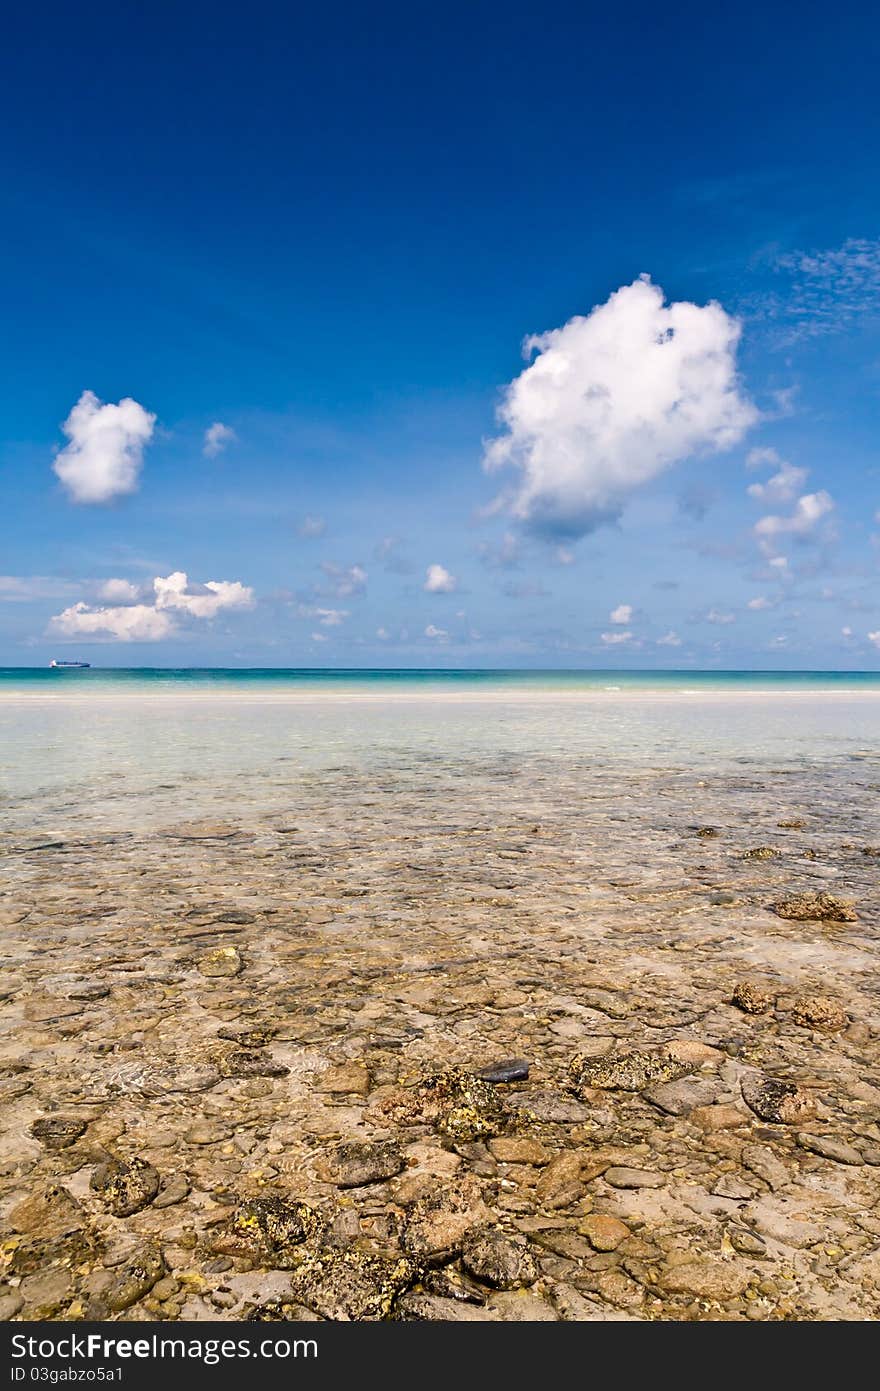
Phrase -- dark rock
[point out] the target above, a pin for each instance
(353, 1165)
(512, 1070)
(351, 1286)
(819, 907)
(775, 1100)
(125, 1185)
(57, 1132)
(504, 1262)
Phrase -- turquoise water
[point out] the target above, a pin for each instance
(104, 678)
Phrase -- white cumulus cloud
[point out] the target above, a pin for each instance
(132, 623)
(783, 486)
(719, 617)
(669, 639)
(612, 399)
(875, 638)
(438, 580)
(807, 513)
(612, 639)
(104, 457)
(217, 437)
(119, 592)
(438, 634)
(174, 592)
(140, 622)
(622, 614)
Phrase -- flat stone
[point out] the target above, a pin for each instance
(520, 1149)
(721, 1116)
(47, 1293)
(829, 1148)
(46, 1011)
(603, 1232)
(761, 1160)
(205, 1132)
(49, 1213)
(679, 1097)
(560, 1182)
(347, 1078)
(690, 1051)
(706, 1278)
(623, 1177)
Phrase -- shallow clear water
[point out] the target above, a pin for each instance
(137, 759)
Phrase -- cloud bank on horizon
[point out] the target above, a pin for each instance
(141, 622)
(612, 399)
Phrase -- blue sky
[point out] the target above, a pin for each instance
(331, 233)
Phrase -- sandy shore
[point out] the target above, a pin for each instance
(498, 696)
(237, 1076)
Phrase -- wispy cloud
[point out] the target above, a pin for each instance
(345, 581)
(823, 291)
(217, 437)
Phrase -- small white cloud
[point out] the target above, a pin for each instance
(784, 485)
(312, 526)
(133, 623)
(718, 616)
(383, 634)
(217, 437)
(875, 638)
(439, 581)
(847, 632)
(761, 602)
(808, 512)
(119, 592)
(438, 634)
(622, 614)
(610, 639)
(328, 618)
(564, 556)
(669, 639)
(319, 637)
(345, 581)
(613, 399)
(779, 562)
(104, 457)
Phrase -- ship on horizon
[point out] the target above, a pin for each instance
(70, 666)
